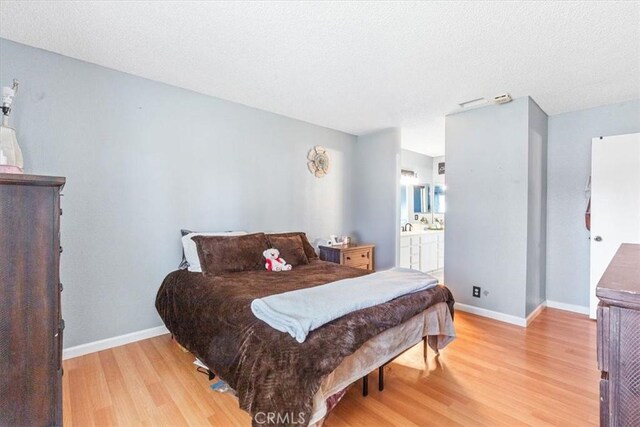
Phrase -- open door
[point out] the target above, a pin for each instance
(615, 201)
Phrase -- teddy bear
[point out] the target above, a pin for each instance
(274, 262)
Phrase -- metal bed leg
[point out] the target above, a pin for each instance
(365, 379)
(365, 385)
(425, 346)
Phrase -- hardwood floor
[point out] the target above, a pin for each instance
(492, 374)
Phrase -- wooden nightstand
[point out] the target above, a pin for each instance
(358, 256)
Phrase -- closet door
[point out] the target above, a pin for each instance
(615, 201)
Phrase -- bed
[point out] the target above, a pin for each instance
(269, 370)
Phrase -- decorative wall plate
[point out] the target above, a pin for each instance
(318, 163)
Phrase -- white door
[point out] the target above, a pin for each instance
(414, 253)
(424, 254)
(432, 255)
(405, 251)
(429, 252)
(615, 201)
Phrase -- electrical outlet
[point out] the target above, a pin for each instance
(476, 291)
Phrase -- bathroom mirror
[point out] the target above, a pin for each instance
(415, 200)
(404, 205)
(422, 199)
(438, 199)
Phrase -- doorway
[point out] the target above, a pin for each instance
(615, 202)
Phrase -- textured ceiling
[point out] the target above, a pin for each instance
(354, 66)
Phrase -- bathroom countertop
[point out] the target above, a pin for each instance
(419, 231)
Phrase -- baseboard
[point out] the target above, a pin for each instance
(568, 307)
(535, 312)
(496, 315)
(92, 347)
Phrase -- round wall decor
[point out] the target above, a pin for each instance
(318, 163)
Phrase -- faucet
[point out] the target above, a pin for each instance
(407, 227)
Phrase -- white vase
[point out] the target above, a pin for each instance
(10, 153)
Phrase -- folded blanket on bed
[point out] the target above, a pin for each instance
(301, 311)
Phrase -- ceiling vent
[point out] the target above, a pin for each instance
(502, 99)
(473, 103)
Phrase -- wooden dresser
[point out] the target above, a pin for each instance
(619, 339)
(30, 322)
(359, 256)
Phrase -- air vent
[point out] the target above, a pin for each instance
(502, 99)
(473, 103)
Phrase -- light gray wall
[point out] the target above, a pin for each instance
(144, 159)
(486, 218)
(537, 207)
(569, 166)
(419, 163)
(438, 179)
(377, 194)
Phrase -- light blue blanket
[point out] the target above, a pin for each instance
(301, 311)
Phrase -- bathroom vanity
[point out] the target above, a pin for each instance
(422, 250)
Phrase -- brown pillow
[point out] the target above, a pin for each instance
(291, 249)
(219, 254)
(308, 249)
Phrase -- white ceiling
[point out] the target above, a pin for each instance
(354, 66)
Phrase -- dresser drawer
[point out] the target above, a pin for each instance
(356, 258)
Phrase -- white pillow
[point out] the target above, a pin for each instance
(191, 250)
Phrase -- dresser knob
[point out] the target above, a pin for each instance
(363, 255)
(60, 211)
(349, 258)
(61, 249)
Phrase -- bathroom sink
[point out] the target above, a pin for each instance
(420, 231)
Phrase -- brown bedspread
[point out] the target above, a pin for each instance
(270, 370)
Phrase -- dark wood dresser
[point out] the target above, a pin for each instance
(359, 256)
(619, 339)
(30, 322)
